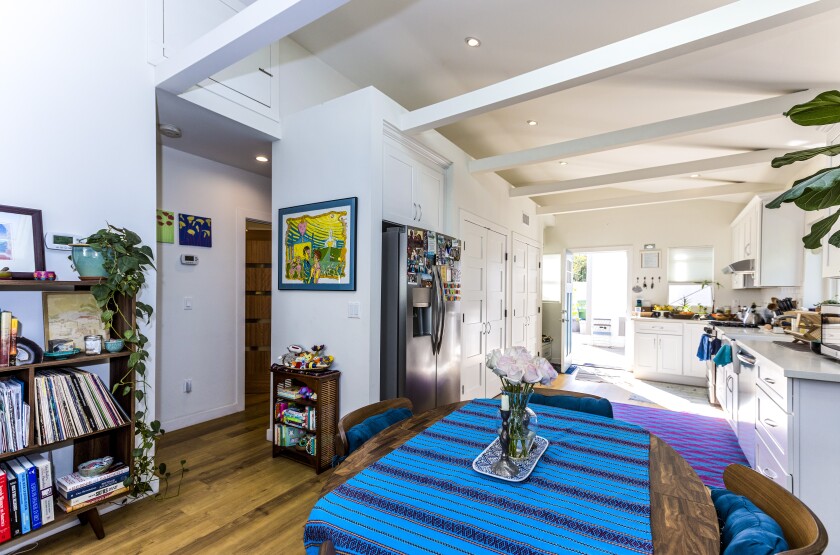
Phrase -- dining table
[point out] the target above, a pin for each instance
(607, 486)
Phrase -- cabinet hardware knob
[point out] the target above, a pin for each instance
(769, 473)
(421, 212)
(415, 211)
(266, 72)
(771, 381)
(771, 423)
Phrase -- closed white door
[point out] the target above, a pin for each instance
(519, 294)
(473, 299)
(670, 354)
(495, 287)
(645, 351)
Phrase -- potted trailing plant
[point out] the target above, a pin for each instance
(821, 189)
(126, 262)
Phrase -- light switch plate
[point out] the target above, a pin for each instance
(353, 310)
(188, 303)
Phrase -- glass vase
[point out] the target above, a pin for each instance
(521, 436)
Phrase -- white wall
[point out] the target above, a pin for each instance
(683, 224)
(78, 134)
(205, 344)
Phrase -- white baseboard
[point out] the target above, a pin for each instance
(199, 417)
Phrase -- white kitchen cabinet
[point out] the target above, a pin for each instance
(663, 351)
(771, 237)
(412, 187)
(252, 82)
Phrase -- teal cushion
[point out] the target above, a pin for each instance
(600, 407)
(360, 433)
(746, 529)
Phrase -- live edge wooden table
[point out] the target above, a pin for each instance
(683, 518)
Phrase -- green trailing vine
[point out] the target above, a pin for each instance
(126, 262)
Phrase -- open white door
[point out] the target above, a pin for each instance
(567, 311)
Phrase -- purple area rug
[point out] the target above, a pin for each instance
(707, 443)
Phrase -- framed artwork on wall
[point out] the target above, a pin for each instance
(650, 259)
(21, 241)
(195, 231)
(72, 315)
(317, 246)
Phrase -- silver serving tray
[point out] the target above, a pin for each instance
(484, 462)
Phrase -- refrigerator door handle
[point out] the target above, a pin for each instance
(442, 311)
(436, 308)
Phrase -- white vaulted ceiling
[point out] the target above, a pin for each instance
(414, 51)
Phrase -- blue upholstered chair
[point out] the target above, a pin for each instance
(802, 530)
(355, 428)
(573, 400)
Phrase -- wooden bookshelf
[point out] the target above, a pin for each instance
(117, 442)
(325, 387)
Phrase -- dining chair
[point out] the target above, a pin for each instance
(573, 400)
(804, 532)
(327, 548)
(358, 416)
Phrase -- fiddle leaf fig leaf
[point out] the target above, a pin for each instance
(812, 192)
(823, 110)
(834, 240)
(819, 230)
(802, 155)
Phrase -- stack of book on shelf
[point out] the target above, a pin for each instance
(26, 495)
(302, 417)
(8, 339)
(70, 403)
(288, 436)
(14, 416)
(77, 491)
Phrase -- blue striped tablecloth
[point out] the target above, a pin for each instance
(590, 492)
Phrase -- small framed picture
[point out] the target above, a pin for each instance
(21, 241)
(71, 315)
(650, 259)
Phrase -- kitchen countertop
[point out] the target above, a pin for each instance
(796, 364)
(663, 319)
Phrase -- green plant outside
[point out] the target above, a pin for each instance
(126, 262)
(821, 189)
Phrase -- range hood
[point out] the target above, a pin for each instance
(741, 267)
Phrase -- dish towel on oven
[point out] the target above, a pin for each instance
(709, 346)
(723, 356)
(590, 492)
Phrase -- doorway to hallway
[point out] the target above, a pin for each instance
(257, 306)
(598, 306)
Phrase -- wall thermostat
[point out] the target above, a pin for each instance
(189, 259)
(60, 241)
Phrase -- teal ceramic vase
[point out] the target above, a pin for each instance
(89, 263)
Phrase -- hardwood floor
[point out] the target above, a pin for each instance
(235, 499)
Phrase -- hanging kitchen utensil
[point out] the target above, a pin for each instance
(651, 282)
(637, 288)
(644, 282)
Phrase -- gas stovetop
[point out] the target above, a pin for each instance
(731, 324)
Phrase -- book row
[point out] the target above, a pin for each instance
(303, 417)
(8, 339)
(14, 416)
(77, 492)
(26, 495)
(70, 403)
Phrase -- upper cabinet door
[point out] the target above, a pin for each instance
(397, 187)
(252, 82)
(412, 184)
(428, 191)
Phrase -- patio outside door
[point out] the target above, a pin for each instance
(567, 311)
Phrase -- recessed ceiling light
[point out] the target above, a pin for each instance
(531, 122)
(695, 175)
(472, 42)
(262, 159)
(564, 163)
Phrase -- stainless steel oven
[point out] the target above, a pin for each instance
(830, 317)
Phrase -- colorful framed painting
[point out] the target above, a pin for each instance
(165, 226)
(317, 246)
(194, 231)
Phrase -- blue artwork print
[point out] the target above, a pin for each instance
(5, 242)
(194, 231)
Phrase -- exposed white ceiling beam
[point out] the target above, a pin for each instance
(656, 172)
(668, 129)
(260, 24)
(729, 22)
(659, 198)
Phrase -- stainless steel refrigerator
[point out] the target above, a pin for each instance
(421, 318)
